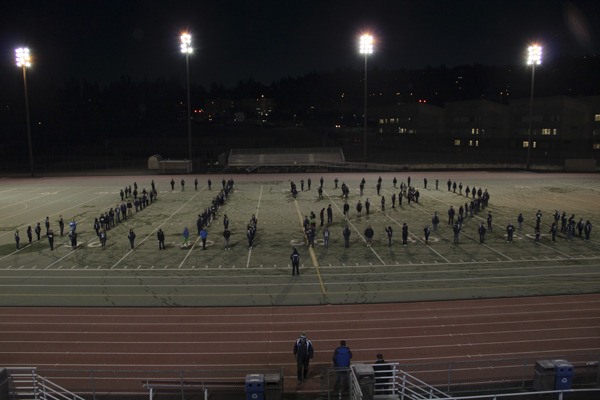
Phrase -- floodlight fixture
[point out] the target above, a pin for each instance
(366, 44)
(23, 57)
(534, 55)
(186, 43)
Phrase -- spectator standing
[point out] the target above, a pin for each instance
(304, 352)
(383, 374)
(341, 362)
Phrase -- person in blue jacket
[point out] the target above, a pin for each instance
(203, 236)
(341, 361)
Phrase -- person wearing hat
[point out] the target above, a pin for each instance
(303, 351)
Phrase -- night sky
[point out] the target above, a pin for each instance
(99, 41)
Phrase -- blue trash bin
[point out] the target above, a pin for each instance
(255, 387)
(564, 375)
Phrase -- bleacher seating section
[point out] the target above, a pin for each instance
(301, 157)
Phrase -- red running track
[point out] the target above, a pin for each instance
(423, 337)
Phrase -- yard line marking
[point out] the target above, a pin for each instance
(256, 215)
(189, 252)
(354, 227)
(311, 251)
(155, 229)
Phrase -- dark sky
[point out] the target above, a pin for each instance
(271, 39)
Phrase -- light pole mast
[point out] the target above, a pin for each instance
(186, 48)
(23, 59)
(534, 57)
(366, 48)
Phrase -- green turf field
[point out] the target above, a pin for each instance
(119, 276)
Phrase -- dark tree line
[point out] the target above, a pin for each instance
(94, 119)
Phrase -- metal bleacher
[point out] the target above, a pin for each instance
(299, 159)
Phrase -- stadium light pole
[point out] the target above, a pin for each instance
(366, 48)
(534, 57)
(23, 59)
(187, 49)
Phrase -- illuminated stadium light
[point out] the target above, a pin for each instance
(534, 55)
(23, 57)
(366, 44)
(186, 43)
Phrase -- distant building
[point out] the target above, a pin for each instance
(476, 124)
(561, 127)
(558, 127)
(412, 123)
(593, 122)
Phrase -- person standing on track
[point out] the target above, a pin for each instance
(303, 351)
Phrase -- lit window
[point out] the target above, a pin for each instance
(596, 146)
(597, 117)
(381, 121)
(546, 131)
(457, 142)
(401, 130)
(474, 131)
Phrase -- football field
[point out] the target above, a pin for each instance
(117, 275)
